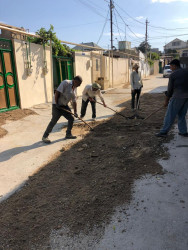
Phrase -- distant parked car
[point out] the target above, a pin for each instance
(167, 71)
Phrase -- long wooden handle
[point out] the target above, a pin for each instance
(153, 113)
(113, 110)
(78, 118)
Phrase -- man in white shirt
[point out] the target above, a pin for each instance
(89, 95)
(63, 95)
(136, 85)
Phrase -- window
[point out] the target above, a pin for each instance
(176, 43)
(97, 65)
(185, 53)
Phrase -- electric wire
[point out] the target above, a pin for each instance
(117, 26)
(103, 27)
(153, 26)
(152, 38)
(129, 15)
(90, 7)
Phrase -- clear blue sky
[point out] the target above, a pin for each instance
(84, 20)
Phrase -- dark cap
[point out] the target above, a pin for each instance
(78, 78)
(175, 62)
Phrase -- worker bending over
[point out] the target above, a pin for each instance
(89, 95)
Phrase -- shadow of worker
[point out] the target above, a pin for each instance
(8, 154)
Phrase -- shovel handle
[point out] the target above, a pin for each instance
(77, 117)
(153, 113)
(112, 110)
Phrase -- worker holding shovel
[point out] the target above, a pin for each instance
(136, 86)
(63, 95)
(89, 95)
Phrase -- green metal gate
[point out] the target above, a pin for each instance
(160, 67)
(9, 98)
(62, 69)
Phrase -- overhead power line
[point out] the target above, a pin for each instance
(157, 27)
(126, 24)
(153, 26)
(130, 15)
(117, 26)
(103, 27)
(159, 37)
(91, 7)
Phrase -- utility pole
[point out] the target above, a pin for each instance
(146, 43)
(111, 29)
(146, 39)
(125, 34)
(111, 23)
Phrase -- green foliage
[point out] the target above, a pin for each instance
(150, 61)
(154, 56)
(58, 49)
(142, 47)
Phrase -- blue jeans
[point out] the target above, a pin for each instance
(176, 107)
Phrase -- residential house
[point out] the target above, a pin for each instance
(183, 57)
(91, 44)
(175, 44)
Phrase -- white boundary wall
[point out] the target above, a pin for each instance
(85, 66)
(36, 88)
(82, 67)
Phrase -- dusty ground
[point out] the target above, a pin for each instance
(13, 115)
(81, 187)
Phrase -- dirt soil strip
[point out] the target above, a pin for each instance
(81, 188)
(13, 115)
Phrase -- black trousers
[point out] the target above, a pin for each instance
(56, 114)
(135, 93)
(84, 107)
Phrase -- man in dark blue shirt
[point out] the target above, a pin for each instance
(176, 100)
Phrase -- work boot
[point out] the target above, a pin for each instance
(70, 136)
(46, 140)
(161, 134)
(185, 135)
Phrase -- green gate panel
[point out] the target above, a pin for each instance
(62, 69)
(70, 69)
(160, 67)
(9, 98)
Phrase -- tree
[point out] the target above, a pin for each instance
(58, 49)
(142, 47)
(153, 56)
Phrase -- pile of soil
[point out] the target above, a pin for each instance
(81, 188)
(13, 115)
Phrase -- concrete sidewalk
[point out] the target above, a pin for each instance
(22, 152)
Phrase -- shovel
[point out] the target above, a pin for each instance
(78, 118)
(112, 110)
